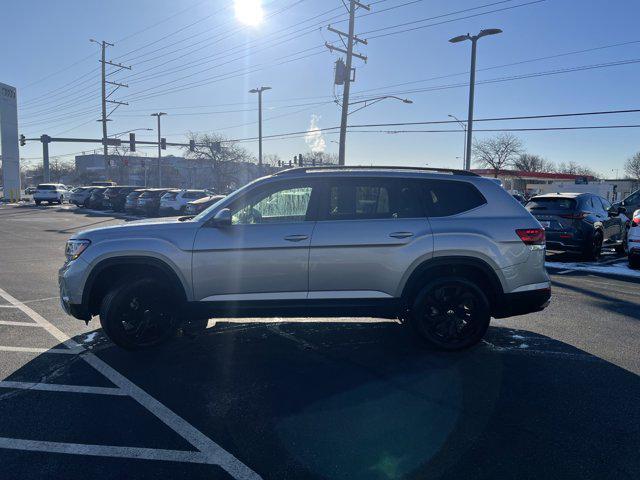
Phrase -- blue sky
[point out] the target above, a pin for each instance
(195, 61)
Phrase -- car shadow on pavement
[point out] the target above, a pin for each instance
(615, 304)
(369, 401)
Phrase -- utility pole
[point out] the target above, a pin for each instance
(105, 97)
(346, 79)
(259, 92)
(158, 115)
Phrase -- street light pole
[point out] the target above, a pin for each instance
(259, 92)
(472, 84)
(158, 115)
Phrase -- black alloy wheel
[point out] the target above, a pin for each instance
(451, 313)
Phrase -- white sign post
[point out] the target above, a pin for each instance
(9, 143)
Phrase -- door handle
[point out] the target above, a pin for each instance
(401, 234)
(296, 238)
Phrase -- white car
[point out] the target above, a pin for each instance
(50, 192)
(633, 241)
(175, 202)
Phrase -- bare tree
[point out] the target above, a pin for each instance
(497, 152)
(632, 167)
(529, 162)
(572, 168)
(224, 158)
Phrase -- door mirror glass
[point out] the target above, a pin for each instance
(222, 218)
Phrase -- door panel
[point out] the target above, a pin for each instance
(244, 260)
(361, 256)
(369, 232)
(264, 253)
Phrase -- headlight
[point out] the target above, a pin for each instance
(75, 248)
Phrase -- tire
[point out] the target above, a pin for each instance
(622, 248)
(60, 200)
(634, 262)
(138, 314)
(38, 203)
(593, 249)
(451, 313)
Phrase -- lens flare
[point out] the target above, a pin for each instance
(249, 12)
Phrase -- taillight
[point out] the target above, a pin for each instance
(531, 236)
(576, 216)
(636, 220)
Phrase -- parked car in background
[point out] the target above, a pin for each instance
(633, 241)
(80, 195)
(30, 190)
(580, 222)
(149, 201)
(103, 184)
(96, 198)
(631, 202)
(131, 200)
(114, 197)
(197, 206)
(50, 193)
(519, 198)
(175, 202)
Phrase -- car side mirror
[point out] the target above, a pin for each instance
(222, 218)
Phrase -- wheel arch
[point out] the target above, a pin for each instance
(111, 270)
(468, 267)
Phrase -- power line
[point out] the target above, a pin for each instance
(445, 21)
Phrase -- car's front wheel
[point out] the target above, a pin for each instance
(138, 314)
(593, 249)
(451, 313)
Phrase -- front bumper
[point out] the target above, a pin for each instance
(70, 282)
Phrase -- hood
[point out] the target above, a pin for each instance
(156, 227)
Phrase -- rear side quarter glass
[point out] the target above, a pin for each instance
(554, 203)
(443, 198)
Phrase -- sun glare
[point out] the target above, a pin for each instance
(249, 12)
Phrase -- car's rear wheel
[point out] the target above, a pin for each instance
(623, 247)
(451, 313)
(138, 314)
(594, 247)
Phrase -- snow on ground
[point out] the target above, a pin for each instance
(620, 269)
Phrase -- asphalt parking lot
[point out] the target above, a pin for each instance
(549, 395)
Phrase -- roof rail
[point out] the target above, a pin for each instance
(375, 167)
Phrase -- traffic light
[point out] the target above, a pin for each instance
(192, 145)
(163, 143)
(132, 142)
(23, 140)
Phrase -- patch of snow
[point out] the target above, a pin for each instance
(621, 269)
(90, 337)
(523, 345)
(517, 337)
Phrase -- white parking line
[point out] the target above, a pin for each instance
(104, 450)
(211, 452)
(19, 324)
(52, 387)
(63, 351)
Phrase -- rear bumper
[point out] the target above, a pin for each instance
(521, 303)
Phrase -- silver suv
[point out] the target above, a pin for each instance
(442, 250)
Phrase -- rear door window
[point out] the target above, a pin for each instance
(362, 198)
(444, 198)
